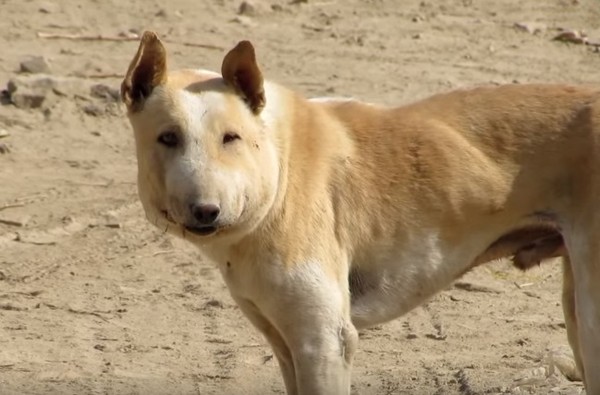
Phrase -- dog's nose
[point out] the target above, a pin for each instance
(206, 214)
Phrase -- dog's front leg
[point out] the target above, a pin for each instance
(322, 351)
(280, 348)
(305, 313)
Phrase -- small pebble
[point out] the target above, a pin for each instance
(93, 110)
(247, 8)
(35, 65)
(105, 92)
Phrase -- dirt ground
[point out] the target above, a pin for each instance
(93, 300)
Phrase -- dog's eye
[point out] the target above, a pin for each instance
(230, 137)
(169, 139)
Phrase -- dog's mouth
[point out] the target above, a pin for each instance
(168, 217)
(201, 230)
(206, 230)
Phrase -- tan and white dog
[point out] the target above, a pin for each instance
(328, 216)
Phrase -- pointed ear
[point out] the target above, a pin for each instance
(241, 71)
(147, 70)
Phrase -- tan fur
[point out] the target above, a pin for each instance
(337, 215)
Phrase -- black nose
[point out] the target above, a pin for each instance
(206, 214)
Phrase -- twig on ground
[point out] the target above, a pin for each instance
(41, 272)
(11, 205)
(69, 309)
(97, 76)
(520, 286)
(35, 242)
(466, 286)
(91, 184)
(10, 307)
(12, 222)
(30, 294)
(100, 37)
(82, 312)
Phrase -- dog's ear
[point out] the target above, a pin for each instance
(147, 70)
(241, 71)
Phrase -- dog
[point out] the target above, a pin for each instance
(327, 216)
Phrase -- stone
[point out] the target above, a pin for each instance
(25, 93)
(48, 8)
(531, 27)
(28, 99)
(105, 92)
(571, 36)
(247, 8)
(31, 91)
(35, 65)
(93, 110)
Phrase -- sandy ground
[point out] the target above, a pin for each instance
(93, 300)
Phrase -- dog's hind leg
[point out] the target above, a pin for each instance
(584, 251)
(568, 304)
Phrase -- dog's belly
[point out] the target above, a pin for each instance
(378, 298)
(400, 279)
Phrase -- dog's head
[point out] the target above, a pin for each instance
(208, 163)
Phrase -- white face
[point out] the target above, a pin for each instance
(207, 166)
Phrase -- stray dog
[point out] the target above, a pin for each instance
(327, 216)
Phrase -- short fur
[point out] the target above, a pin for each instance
(336, 215)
